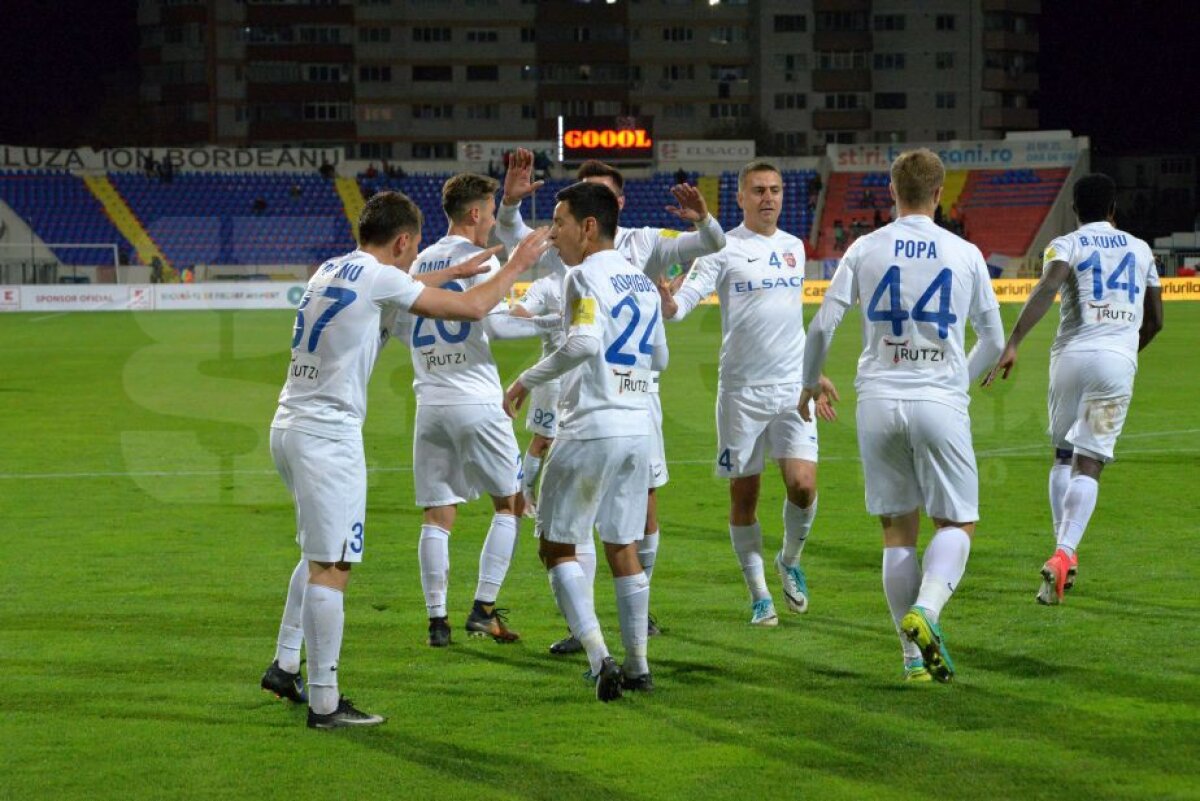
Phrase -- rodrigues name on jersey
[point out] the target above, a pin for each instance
(607, 298)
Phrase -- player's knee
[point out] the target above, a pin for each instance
(969, 528)
(1087, 466)
(802, 493)
(509, 505)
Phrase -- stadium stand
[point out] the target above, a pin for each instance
(60, 210)
(216, 218)
(1003, 209)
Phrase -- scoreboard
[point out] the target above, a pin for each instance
(622, 138)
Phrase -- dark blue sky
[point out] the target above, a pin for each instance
(1123, 72)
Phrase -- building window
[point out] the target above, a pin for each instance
(433, 111)
(841, 60)
(844, 101)
(375, 113)
(839, 137)
(679, 72)
(528, 111)
(945, 136)
(728, 110)
(679, 111)
(433, 150)
(431, 34)
(944, 100)
(944, 22)
(374, 150)
(528, 35)
(375, 73)
(317, 34)
(891, 100)
(791, 23)
(841, 21)
(483, 111)
(789, 101)
(944, 61)
(728, 73)
(483, 72)
(889, 22)
(677, 33)
(375, 35)
(327, 112)
(790, 143)
(483, 36)
(325, 73)
(432, 72)
(889, 61)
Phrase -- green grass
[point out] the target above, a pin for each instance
(149, 544)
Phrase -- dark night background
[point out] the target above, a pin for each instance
(1127, 74)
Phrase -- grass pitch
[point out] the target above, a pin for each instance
(149, 544)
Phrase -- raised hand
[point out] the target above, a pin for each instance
(514, 398)
(530, 249)
(476, 265)
(666, 294)
(518, 180)
(692, 207)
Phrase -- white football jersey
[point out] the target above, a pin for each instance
(544, 296)
(1101, 306)
(918, 284)
(607, 298)
(452, 361)
(340, 327)
(760, 282)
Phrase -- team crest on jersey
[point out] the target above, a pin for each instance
(790, 259)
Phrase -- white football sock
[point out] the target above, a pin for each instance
(498, 549)
(633, 610)
(747, 544)
(530, 465)
(1060, 478)
(291, 628)
(585, 554)
(648, 553)
(797, 521)
(945, 562)
(573, 592)
(433, 551)
(323, 620)
(901, 578)
(1078, 505)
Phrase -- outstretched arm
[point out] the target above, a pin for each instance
(1040, 301)
(518, 185)
(476, 302)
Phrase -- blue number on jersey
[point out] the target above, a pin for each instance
(614, 354)
(895, 314)
(341, 299)
(943, 316)
(724, 460)
(774, 260)
(420, 340)
(1127, 266)
(356, 544)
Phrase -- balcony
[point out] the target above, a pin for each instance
(301, 130)
(851, 120)
(841, 80)
(300, 15)
(842, 40)
(299, 92)
(820, 6)
(303, 53)
(1009, 119)
(1007, 40)
(1003, 81)
(1014, 6)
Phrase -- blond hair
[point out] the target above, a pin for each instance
(917, 174)
(465, 189)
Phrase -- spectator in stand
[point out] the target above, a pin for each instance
(839, 236)
(877, 223)
(259, 205)
(371, 172)
(166, 172)
(814, 186)
(295, 190)
(150, 166)
(326, 170)
(156, 270)
(868, 199)
(681, 176)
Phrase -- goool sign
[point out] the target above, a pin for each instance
(608, 138)
(637, 138)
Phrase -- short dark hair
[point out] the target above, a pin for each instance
(460, 191)
(759, 165)
(1095, 195)
(592, 200)
(385, 216)
(598, 169)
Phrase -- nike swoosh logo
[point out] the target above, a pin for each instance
(751, 261)
(658, 472)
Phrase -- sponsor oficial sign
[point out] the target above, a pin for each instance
(483, 152)
(701, 150)
(990, 154)
(146, 297)
(206, 159)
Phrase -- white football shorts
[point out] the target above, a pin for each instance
(463, 452)
(594, 482)
(328, 482)
(1088, 400)
(918, 454)
(659, 475)
(752, 419)
(542, 417)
